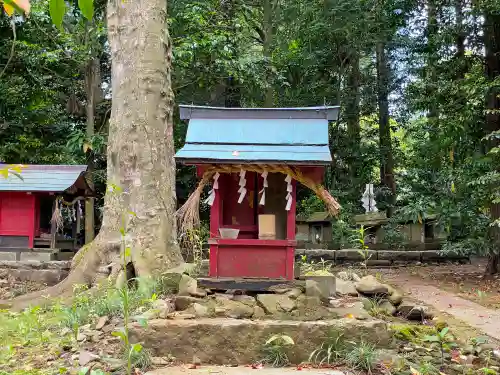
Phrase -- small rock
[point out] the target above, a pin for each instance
(237, 310)
(86, 357)
(187, 286)
(395, 295)
(412, 311)
(200, 293)
(65, 331)
(294, 293)
(199, 310)
(343, 276)
(247, 300)
(355, 277)
(387, 307)
(258, 312)
(408, 349)
(108, 328)
(275, 303)
(180, 316)
(183, 302)
(220, 311)
(355, 309)
(370, 286)
(321, 286)
(164, 307)
(81, 336)
(160, 361)
(101, 322)
(345, 288)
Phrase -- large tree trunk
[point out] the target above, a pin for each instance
(492, 47)
(140, 151)
(352, 101)
(92, 82)
(385, 143)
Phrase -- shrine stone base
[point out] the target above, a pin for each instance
(240, 341)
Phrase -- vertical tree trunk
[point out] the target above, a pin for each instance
(385, 143)
(492, 48)
(92, 82)
(141, 150)
(268, 37)
(140, 153)
(352, 101)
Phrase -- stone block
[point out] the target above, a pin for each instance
(42, 256)
(350, 255)
(209, 339)
(399, 255)
(317, 254)
(8, 255)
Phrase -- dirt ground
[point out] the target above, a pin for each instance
(464, 280)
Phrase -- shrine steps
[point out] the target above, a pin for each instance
(226, 341)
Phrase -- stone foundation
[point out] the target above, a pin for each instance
(240, 341)
(49, 273)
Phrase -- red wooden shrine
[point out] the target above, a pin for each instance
(27, 203)
(292, 137)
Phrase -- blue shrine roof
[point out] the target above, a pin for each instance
(262, 135)
(45, 178)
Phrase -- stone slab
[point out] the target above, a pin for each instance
(328, 255)
(8, 256)
(43, 256)
(353, 255)
(240, 370)
(209, 339)
(398, 255)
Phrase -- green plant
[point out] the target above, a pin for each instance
(311, 268)
(131, 350)
(191, 243)
(331, 351)
(361, 356)
(425, 368)
(141, 359)
(376, 308)
(363, 251)
(411, 332)
(442, 339)
(275, 350)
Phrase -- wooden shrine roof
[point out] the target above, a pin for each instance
(46, 178)
(257, 135)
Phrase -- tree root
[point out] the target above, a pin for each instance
(85, 272)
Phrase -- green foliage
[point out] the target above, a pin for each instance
(362, 356)
(331, 351)
(275, 350)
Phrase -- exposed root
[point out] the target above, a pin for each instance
(85, 272)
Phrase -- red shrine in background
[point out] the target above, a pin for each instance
(252, 193)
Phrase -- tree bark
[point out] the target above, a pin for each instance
(492, 49)
(352, 108)
(140, 152)
(385, 142)
(92, 81)
(268, 37)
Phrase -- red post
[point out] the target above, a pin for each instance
(290, 233)
(215, 216)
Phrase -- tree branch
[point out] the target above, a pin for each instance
(13, 25)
